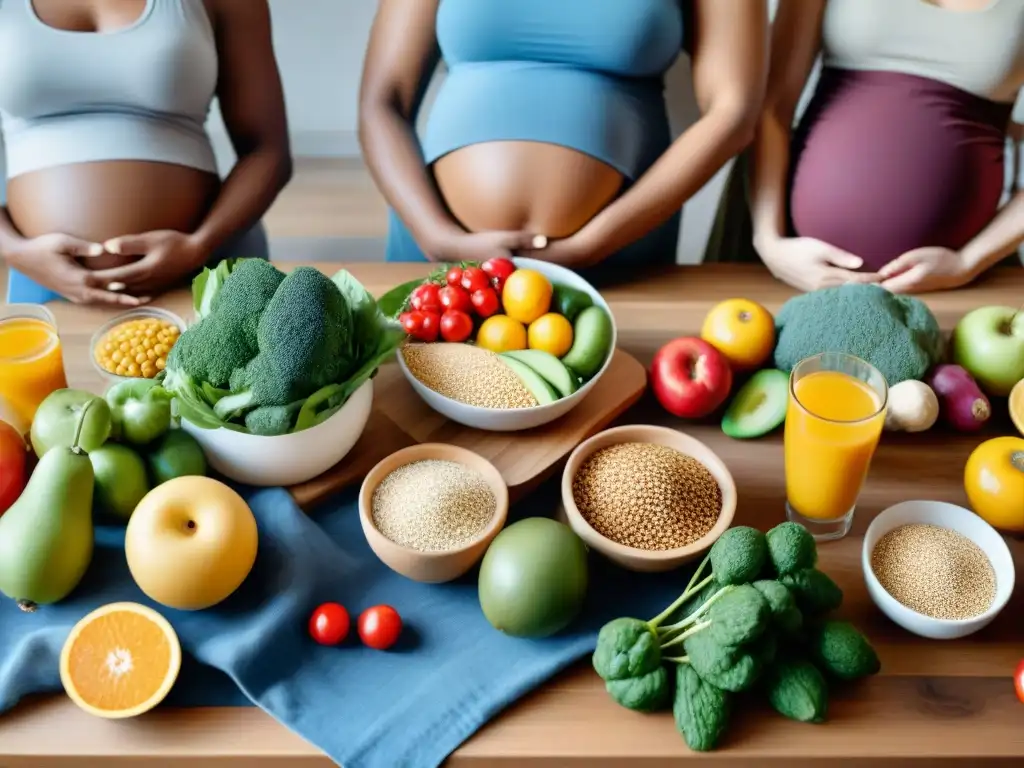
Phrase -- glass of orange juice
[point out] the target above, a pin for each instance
(833, 422)
(31, 362)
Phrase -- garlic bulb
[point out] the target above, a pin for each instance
(913, 407)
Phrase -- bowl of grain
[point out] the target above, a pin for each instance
(936, 569)
(473, 387)
(430, 511)
(648, 498)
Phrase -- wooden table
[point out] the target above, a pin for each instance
(934, 702)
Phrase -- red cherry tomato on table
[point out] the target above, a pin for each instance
(380, 626)
(431, 326)
(329, 624)
(485, 301)
(498, 269)
(453, 276)
(411, 322)
(456, 326)
(453, 297)
(1018, 682)
(474, 278)
(426, 298)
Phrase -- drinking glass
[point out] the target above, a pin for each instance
(833, 423)
(31, 361)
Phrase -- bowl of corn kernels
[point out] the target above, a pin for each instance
(135, 344)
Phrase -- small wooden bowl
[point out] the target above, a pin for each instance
(631, 558)
(431, 567)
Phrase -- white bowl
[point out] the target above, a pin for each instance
(286, 459)
(953, 518)
(516, 419)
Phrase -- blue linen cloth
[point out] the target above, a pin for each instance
(408, 707)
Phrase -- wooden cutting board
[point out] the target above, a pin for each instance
(400, 419)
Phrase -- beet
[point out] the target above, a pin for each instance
(961, 402)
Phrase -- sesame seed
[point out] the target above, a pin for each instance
(468, 374)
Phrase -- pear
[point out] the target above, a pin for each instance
(46, 537)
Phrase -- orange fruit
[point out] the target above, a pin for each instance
(1017, 406)
(742, 330)
(994, 481)
(526, 295)
(552, 333)
(120, 661)
(500, 333)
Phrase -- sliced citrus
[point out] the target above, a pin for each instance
(1017, 406)
(120, 661)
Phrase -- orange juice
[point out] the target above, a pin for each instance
(31, 365)
(833, 423)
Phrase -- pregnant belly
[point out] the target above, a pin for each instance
(98, 201)
(885, 163)
(541, 188)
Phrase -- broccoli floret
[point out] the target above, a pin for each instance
(897, 334)
(797, 690)
(791, 548)
(739, 555)
(815, 592)
(785, 614)
(272, 420)
(302, 335)
(701, 710)
(842, 651)
(645, 693)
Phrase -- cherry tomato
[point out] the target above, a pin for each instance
(431, 325)
(456, 325)
(13, 466)
(453, 276)
(485, 301)
(498, 269)
(474, 278)
(1018, 681)
(453, 297)
(329, 624)
(380, 626)
(411, 322)
(426, 298)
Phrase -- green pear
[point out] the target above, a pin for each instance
(46, 537)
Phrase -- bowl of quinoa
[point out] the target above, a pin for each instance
(648, 498)
(430, 511)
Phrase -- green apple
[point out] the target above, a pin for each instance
(120, 477)
(57, 418)
(176, 454)
(988, 343)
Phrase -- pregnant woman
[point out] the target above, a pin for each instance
(551, 124)
(896, 171)
(113, 194)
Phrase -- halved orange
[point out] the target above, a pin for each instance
(120, 661)
(1017, 406)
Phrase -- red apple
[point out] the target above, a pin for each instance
(690, 378)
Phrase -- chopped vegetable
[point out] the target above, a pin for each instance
(700, 709)
(797, 690)
(843, 652)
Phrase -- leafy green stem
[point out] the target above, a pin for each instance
(691, 589)
(688, 633)
(696, 615)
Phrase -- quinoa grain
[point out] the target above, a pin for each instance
(466, 373)
(647, 496)
(934, 571)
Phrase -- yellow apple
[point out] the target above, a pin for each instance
(191, 542)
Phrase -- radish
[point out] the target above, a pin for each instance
(964, 406)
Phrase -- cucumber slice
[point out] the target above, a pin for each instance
(759, 407)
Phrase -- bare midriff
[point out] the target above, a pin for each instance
(546, 189)
(100, 200)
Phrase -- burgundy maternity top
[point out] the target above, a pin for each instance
(903, 143)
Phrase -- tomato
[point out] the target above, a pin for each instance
(422, 326)
(456, 325)
(994, 481)
(485, 302)
(1018, 682)
(380, 626)
(474, 278)
(411, 322)
(498, 270)
(431, 326)
(453, 297)
(426, 298)
(329, 624)
(453, 276)
(13, 469)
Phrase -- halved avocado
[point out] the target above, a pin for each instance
(759, 406)
(543, 392)
(550, 367)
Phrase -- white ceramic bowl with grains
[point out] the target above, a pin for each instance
(634, 558)
(515, 419)
(290, 459)
(953, 518)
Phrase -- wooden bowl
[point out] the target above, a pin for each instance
(632, 558)
(431, 567)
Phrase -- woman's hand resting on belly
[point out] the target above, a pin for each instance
(926, 269)
(808, 264)
(167, 257)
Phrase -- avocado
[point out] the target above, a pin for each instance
(548, 366)
(759, 406)
(543, 392)
(569, 302)
(592, 338)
